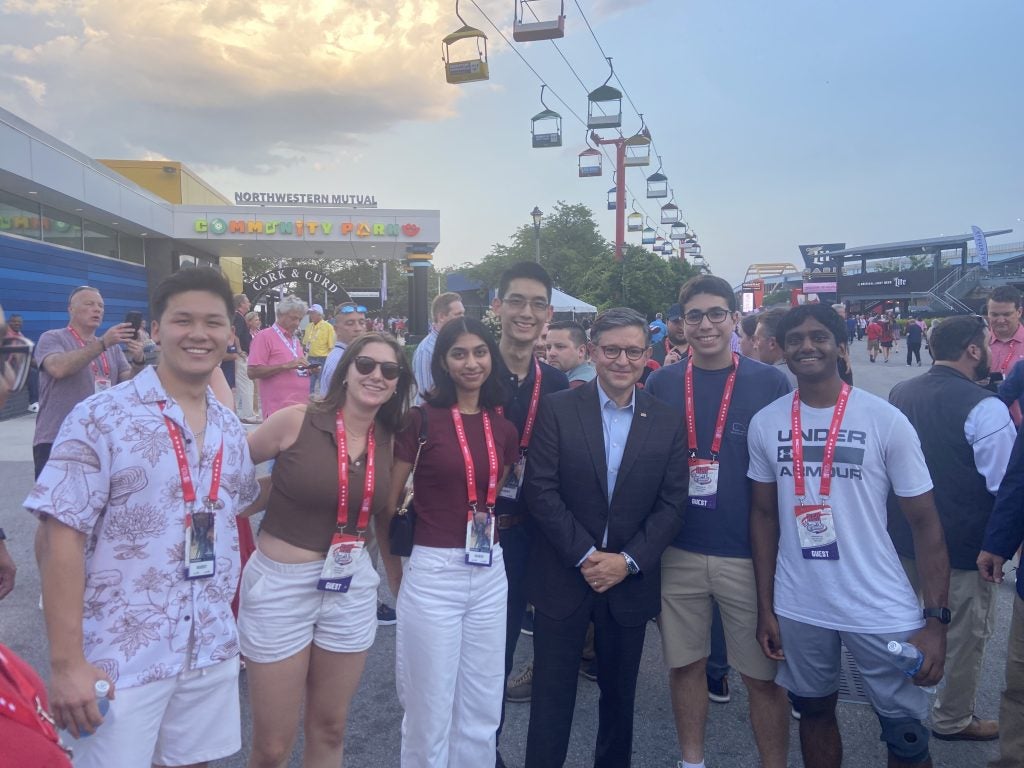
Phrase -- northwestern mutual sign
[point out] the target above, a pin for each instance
(305, 198)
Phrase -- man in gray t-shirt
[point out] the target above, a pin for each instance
(75, 363)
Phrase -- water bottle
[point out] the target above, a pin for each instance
(908, 658)
(102, 690)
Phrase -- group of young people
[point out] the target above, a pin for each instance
(603, 505)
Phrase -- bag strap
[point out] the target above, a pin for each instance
(421, 441)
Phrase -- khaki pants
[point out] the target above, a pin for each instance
(1011, 705)
(972, 601)
(243, 390)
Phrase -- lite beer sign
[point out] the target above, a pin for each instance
(303, 227)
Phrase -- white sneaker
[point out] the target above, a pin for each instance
(34, 408)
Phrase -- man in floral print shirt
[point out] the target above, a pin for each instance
(124, 599)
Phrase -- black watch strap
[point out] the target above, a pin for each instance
(942, 614)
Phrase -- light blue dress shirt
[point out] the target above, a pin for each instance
(616, 421)
(330, 365)
(421, 365)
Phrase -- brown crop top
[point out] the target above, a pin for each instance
(303, 505)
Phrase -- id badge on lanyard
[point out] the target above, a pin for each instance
(293, 347)
(200, 552)
(703, 483)
(513, 485)
(479, 523)
(514, 482)
(200, 543)
(341, 562)
(703, 473)
(346, 550)
(815, 523)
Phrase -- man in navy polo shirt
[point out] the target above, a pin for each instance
(523, 305)
(711, 556)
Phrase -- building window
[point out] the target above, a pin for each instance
(132, 249)
(100, 240)
(19, 216)
(61, 228)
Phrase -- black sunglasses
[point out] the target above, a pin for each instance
(365, 366)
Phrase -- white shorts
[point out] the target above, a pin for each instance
(280, 610)
(191, 718)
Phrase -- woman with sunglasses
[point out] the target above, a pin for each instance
(308, 611)
(452, 596)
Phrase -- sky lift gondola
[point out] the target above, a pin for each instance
(613, 193)
(590, 161)
(670, 213)
(657, 183)
(677, 231)
(546, 126)
(635, 221)
(649, 236)
(465, 70)
(638, 147)
(524, 31)
(605, 108)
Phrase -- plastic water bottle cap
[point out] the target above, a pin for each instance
(894, 646)
(102, 689)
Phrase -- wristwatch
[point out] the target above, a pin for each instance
(631, 567)
(942, 614)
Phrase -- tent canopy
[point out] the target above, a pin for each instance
(563, 302)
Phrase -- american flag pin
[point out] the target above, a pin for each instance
(643, 414)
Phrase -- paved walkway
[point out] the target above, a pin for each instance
(373, 734)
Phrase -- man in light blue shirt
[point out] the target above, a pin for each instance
(445, 307)
(349, 323)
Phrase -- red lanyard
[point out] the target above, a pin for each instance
(467, 458)
(368, 482)
(1005, 366)
(188, 489)
(531, 413)
(292, 346)
(723, 410)
(103, 356)
(830, 445)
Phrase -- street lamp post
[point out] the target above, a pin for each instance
(537, 216)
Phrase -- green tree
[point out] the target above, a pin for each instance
(581, 263)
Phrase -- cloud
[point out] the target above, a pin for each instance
(226, 83)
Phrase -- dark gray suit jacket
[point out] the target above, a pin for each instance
(566, 490)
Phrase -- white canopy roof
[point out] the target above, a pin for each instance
(563, 302)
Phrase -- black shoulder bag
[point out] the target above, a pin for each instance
(403, 522)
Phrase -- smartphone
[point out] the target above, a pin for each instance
(135, 318)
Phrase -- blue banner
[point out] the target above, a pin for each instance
(982, 247)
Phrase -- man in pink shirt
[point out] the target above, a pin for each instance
(276, 359)
(1006, 340)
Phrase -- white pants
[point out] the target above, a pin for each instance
(243, 390)
(450, 658)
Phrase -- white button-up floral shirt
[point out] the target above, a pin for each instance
(113, 476)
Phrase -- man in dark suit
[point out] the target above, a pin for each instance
(605, 488)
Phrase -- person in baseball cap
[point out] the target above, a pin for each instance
(674, 346)
(318, 341)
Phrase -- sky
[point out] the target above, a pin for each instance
(778, 124)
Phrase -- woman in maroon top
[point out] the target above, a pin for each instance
(308, 612)
(452, 593)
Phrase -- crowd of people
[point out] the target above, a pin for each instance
(714, 473)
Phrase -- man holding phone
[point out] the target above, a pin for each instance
(76, 362)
